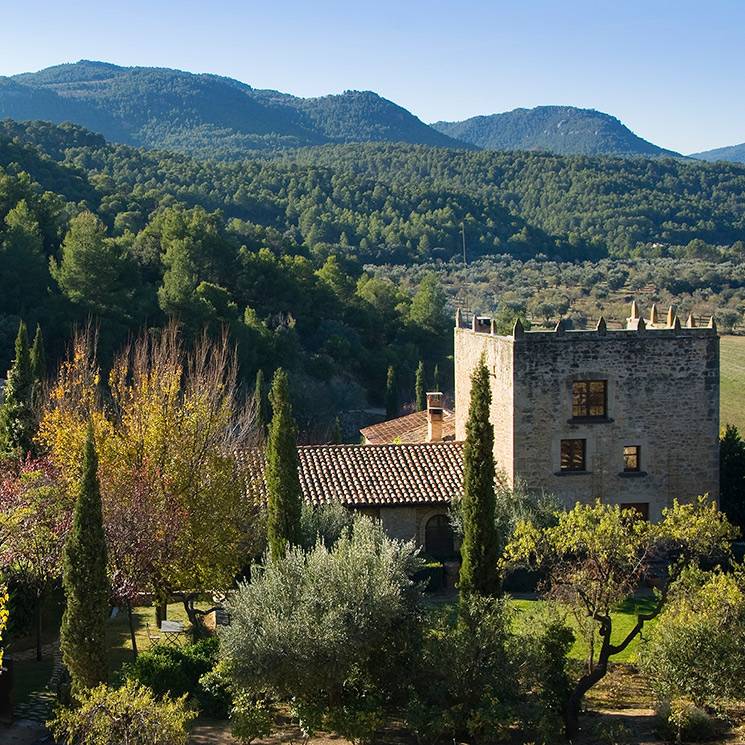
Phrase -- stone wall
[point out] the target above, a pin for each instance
(409, 523)
(662, 396)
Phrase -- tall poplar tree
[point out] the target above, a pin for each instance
(17, 424)
(420, 388)
(281, 471)
(86, 585)
(480, 550)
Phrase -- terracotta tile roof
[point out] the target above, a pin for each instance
(410, 428)
(374, 475)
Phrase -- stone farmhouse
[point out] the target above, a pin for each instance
(630, 417)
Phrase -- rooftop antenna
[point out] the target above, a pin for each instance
(464, 301)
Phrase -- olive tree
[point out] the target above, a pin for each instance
(329, 630)
(596, 555)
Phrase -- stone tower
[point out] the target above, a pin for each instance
(630, 417)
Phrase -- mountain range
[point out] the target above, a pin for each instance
(564, 130)
(218, 117)
(734, 153)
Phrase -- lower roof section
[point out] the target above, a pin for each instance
(372, 475)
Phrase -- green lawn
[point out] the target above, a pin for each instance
(31, 676)
(732, 381)
(623, 621)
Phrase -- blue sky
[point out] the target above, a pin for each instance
(672, 71)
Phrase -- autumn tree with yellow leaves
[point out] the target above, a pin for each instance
(170, 423)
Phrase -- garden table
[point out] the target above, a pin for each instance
(173, 632)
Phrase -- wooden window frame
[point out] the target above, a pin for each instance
(573, 457)
(588, 403)
(636, 455)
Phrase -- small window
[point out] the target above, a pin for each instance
(589, 399)
(638, 509)
(631, 458)
(573, 455)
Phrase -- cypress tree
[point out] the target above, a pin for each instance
(732, 476)
(38, 368)
(17, 425)
(281, 471)
(420, 388)
(391, 394)
(479, 551)
(260, 403)
(84, 578)
(437, 378)
(336, 436)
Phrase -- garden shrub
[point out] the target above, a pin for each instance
(682, 721)
(130, 714)
(176, 671)
(697, 648)
(464, 680)
(431, 576)
(480, 672)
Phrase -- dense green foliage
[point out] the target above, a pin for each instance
(260, 405)
(732, 476)
(176, 671)
(86, 584)
(282, 472)
(17, 425)
(572, 207)
(326, 523)
(273, 248)
(477, 674)
(330, 630)
(558, 129)
(480, 550)
(697, 648)
(130, 714)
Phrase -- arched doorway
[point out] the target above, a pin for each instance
(438, 536)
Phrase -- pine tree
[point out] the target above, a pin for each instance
(260, 404)
(479, 551)
(420, 388)
(17, 425)
(84, 578)
(281, 471)
(391, 394)
(38, 369)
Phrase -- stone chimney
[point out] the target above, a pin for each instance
(434, 417)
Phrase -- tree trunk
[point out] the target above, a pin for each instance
(37, 614)
(130, 618)
(161, 613)
(571, 710)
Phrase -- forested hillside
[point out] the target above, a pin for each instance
(591, 206)
(295, 254)
(558, 129)
(206, 115)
